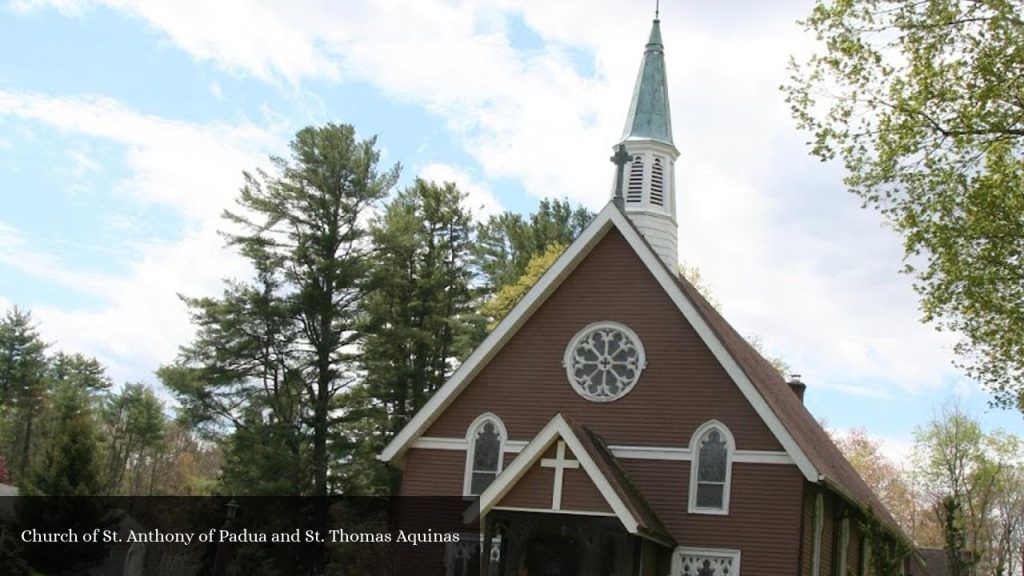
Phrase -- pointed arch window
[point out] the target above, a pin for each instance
(712, 447)
(485, 443)
(844, 547)
(819, 524)
(657, 183)
(635, 190)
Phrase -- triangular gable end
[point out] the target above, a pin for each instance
(609, 217)
(610, 488)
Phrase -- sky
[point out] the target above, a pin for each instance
(126, 125)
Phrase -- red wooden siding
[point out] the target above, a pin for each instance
(532, 491)
(433, 473)
(763, 519)
(579, 493)
(682, 387)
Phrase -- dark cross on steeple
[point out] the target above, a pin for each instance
(620, 159)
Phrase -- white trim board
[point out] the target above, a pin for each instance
(609, 217)
(619, 451)
(549, 511)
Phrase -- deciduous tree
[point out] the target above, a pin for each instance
(922, 101)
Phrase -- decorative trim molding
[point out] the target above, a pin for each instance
(550, 511)
(436, 443)
(683, 561)
(762, 457)
(619, 451)
(650, 453)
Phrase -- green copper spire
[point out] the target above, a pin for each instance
(648, 113)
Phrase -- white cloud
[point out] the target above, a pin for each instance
(16, 252)
(216, 91)
(144, 321)
(194, 170)
(789, 254)
(81, 164)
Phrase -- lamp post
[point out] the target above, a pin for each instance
(220, 560)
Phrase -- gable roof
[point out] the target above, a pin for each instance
(833, 468)
(597, 462)
(783, 413)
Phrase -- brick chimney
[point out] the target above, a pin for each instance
(797, 386)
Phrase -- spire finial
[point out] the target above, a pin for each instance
(657, 8)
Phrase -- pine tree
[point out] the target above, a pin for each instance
(507, 242)
(286, 343)
(22, 386)
(418, 311)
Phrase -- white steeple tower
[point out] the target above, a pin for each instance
(648, 187)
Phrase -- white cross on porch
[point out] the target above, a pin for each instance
(560, 463)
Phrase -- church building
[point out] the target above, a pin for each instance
(614, 423)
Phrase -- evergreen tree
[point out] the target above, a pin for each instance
(22, 386)
(286, 344)
(79, 371)
(418, 312)
(69, 464)
(135, 426)
(507, 242)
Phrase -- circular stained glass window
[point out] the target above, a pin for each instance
(604, 361)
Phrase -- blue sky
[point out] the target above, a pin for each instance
(125, 126)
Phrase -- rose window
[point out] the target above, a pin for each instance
(604, 361)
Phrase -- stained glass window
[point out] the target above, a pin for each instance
(712, 464)
(712, 449)
(486, 457)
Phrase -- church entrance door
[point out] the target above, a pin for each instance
(553, 557)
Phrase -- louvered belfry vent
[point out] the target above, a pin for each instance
(634, 194)
(657, 183)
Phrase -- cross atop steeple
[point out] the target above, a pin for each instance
(620, 159)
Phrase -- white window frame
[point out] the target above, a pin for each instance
(471, 432)
(844, 547)
(818, 527)
(730, 452)
(680, 552)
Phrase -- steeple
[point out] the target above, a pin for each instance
(649, 115)
(649, 176)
